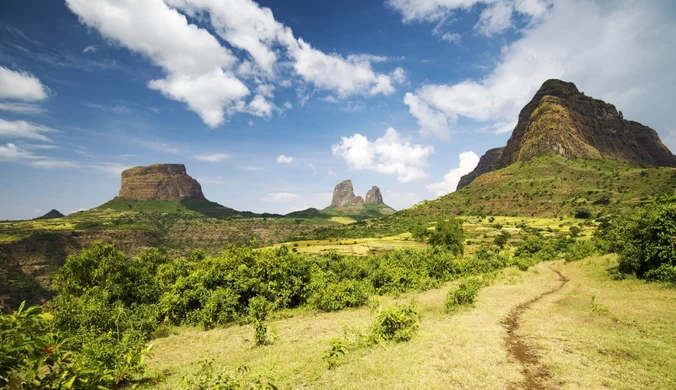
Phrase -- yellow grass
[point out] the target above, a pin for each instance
(631, 346)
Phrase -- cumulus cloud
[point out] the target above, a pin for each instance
(391, 155)
(496, 15)
(432, 122)
(280, 197)
(90, 49)
(208, 77)
(21, 86)
(331, 173)
(215, 157)
(468, 161)
(282, 159)
(612, 66)
(24, 130)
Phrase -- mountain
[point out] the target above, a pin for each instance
(562, 120)
(51, 215)
(166, 188)
(345, 202)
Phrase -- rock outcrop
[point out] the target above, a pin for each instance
(159, 182)
(374, 196)
(343, 195)
(562, 120)
(487, 163)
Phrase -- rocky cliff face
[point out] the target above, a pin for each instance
(374, 196)
(159, 182)
(562, 120)
(343, 195)
(487, 163)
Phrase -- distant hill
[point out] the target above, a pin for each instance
(345, 203)
(562, 120)
(52, 215)
(167, 188)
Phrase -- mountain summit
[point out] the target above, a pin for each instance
(159, 182)
(345, 202)
(562, 120)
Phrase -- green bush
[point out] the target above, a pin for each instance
(447, 234)
(646, 241)
(665, 273)
(580, 249)
(398, 323)
(33, 354)
(338, 296)
(463, 294)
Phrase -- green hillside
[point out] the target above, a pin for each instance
(553, 186)
(368, 210)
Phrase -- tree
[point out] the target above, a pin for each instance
(447, 234)
(647, 242)
(502, 239)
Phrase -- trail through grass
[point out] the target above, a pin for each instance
(628, 341)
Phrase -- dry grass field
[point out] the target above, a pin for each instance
(625, 338)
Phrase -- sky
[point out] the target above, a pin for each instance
(269, 104)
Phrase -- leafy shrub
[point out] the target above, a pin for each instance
(335, 352)
(502, 238)
(208, 378)
(463, 294)
(447, 234)
(339, 296)
(398, 323)
(580, 250)
(646, 241)
(35, 355)
(665, 273)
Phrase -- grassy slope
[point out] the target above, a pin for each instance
(361, 211)
(552, 185)
(581, 348)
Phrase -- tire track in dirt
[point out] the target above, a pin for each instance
(533, 371)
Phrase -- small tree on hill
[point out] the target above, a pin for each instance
(447, 234)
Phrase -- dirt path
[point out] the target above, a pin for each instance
(533, 372)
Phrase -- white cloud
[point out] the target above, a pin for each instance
(468, 161)
(331, 173)
(495, 17)
(253, 168)
(288, 105)
(611, 66)
(22, 108)
(247, 26)
(280, 197)
(12, 153)
(431, 121)
(207, 76)
(215, 157)
(282, 159)
(312, 166)
(198, 68)
(450, 37)
(21, 86)
(24, 130)
(113, 169)
(390, 155)
(90, 49)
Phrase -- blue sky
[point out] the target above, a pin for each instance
(269, 104)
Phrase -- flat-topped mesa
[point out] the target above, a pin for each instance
(343, 195)
(159, 182)
(374, 196)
